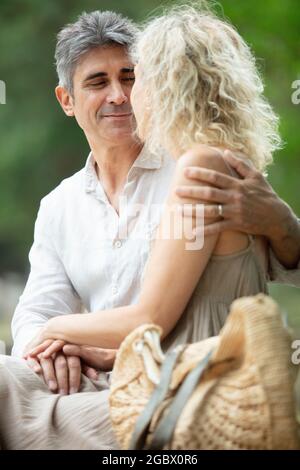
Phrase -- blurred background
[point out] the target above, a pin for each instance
(39, 145)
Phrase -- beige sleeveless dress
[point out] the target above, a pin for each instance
(226, 278)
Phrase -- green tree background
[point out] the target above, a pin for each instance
(39, 145)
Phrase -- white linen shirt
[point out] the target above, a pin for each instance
(82, 255)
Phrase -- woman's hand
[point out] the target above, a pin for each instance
(38, 339)
(45, 343)
(47, 348)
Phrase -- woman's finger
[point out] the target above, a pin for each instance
(40, 348)
(56, 346)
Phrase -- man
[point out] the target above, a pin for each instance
(78, 255)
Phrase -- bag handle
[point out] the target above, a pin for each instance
(165, 430)
(166, 427)
(143, 422)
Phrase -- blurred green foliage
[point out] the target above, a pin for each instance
(39, 145)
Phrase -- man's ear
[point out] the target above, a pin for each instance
(65, 100)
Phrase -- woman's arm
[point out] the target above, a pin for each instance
(170, 278)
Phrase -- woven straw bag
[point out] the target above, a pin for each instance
(232, 391)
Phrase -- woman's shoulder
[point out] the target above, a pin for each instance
(211, 158)
(204, 156)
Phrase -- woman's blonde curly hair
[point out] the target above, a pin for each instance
(202, 86)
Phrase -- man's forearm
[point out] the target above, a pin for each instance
(285, 241)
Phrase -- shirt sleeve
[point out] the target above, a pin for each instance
(48, 291)
(281, 275)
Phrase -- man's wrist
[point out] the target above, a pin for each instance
(110, 359)
(285, 242)
(287, 226)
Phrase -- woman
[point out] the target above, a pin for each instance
(197, 91)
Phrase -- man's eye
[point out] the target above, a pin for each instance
(98, 84)
(129, 79)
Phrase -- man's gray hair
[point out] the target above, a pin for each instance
(91, 30)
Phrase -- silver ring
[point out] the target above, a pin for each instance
(220, 210)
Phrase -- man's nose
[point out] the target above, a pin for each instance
(117, 95)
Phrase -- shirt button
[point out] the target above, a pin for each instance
(118, 244)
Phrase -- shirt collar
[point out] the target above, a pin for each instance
(148, 160)
(90, 175)
(145, 160)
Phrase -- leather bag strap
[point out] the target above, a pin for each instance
(165, 429)
(143, 422)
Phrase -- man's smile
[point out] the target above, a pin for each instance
(118, 116)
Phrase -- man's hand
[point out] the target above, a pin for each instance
(102, 359)
(98, 358)
(61, 373)
(249, 205)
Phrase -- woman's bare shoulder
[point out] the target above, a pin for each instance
(204, 156)
(230, 241)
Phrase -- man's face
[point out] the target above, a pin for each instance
(102, 84)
